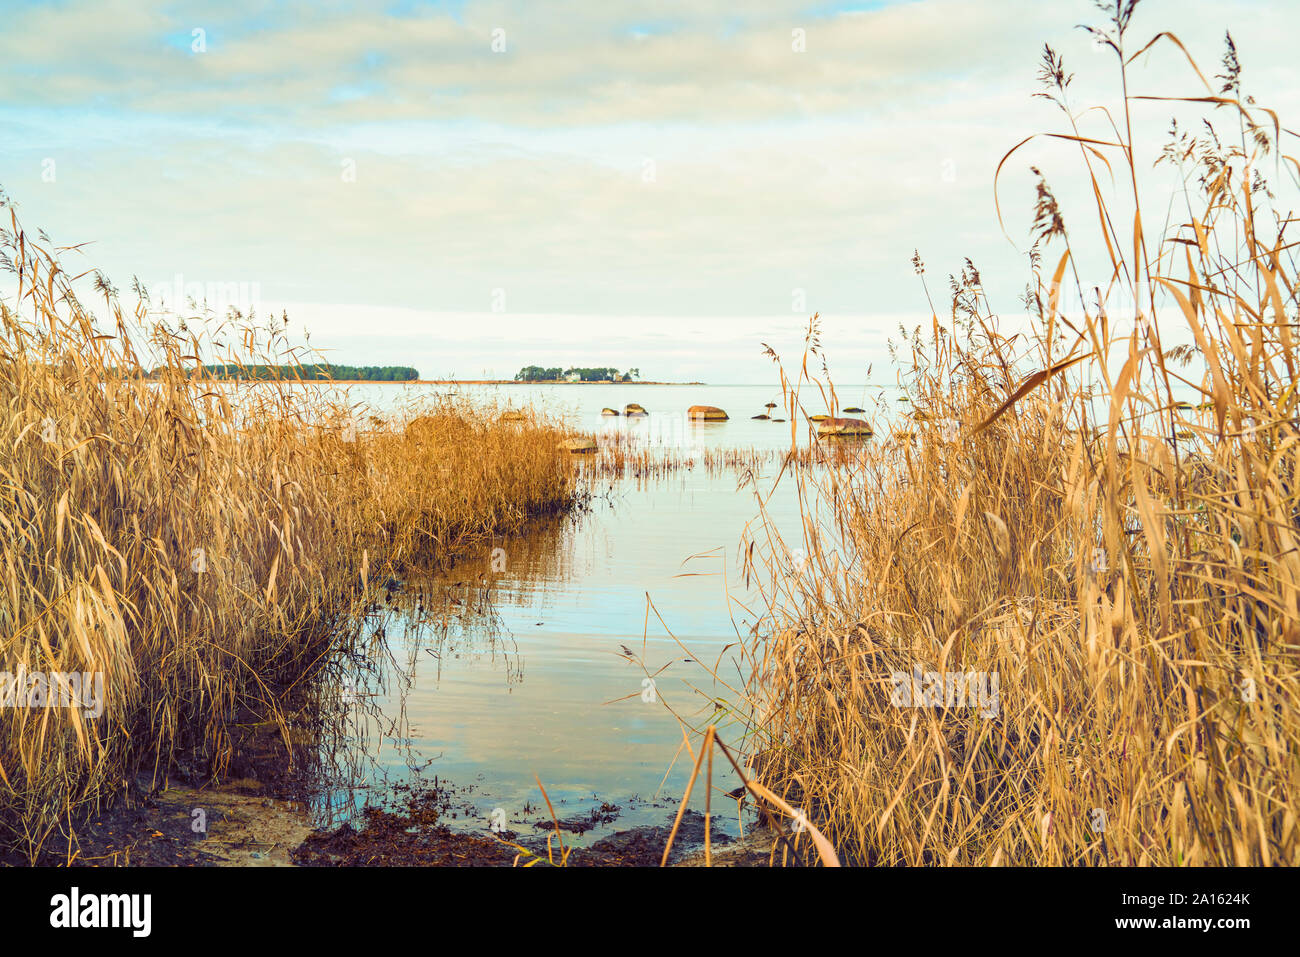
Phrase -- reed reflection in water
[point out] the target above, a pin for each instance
(514, 661)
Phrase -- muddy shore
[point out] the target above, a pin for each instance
(243, 824)
(258, 816)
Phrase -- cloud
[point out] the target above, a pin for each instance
(620, 166)
(559, 63)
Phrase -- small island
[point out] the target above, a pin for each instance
(329, 372)
(574, 374)
(540, 375)
(320, 372)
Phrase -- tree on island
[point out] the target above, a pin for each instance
(537, 374)
(314, 372)
(594, 374)
(601, 374)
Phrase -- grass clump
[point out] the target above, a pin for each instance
(201, 545)
(1102, 513)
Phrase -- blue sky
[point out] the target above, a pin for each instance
(663, 185)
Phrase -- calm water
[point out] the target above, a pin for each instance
(511, 664)
(579, 406)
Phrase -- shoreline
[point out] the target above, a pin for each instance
(256, 822)
(446, 382)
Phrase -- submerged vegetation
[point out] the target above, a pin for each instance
(200, 545)
(1101, 515)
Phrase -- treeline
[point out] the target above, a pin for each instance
(594, 374)
(320, 371)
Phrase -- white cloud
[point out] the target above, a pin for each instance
(775, 175)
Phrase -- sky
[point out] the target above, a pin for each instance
(470, 187)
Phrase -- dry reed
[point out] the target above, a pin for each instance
(1103, 518)
(202, 545)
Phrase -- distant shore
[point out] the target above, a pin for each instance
(474, 382)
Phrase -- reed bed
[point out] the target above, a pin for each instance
(618, 456)
(203, 546)
(1101, 514)
(622, 455)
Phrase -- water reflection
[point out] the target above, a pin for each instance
(535, 656)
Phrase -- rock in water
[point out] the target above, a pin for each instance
(709, 413)
(837, 427)
(578, 445)
(609, 411)
(633, 409)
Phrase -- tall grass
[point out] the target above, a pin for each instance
(1102, 513)
(202, 545)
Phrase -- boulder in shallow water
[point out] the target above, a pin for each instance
(764, 418)
(709, 413)
(609, 411)
(579, 445)
(854, 408)
(633, 409)
(818, 418)
(844, 427)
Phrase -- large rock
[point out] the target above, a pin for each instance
(579, 445)
(633, 409)
(709, 413)
(609, 411)
(844, 427)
